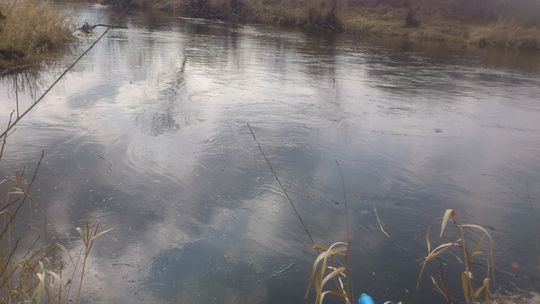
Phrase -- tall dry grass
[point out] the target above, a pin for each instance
(320, 14)
(475, 281)
(31, 29)
(330, 275)
(506, 35)
(32, 270)
(32, 265)
(419, 23)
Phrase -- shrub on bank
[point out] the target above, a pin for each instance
(379, 19)
(318, 14)
(507, 36)
(31, 29)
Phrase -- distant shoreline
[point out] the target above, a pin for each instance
(376, 21)
(497, 35)
(325, 16)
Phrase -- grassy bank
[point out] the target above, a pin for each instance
(442, 21)
(393, 22)
(31, 30)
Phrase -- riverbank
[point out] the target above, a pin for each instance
(392, 22)
(148, 134)
(31, 31)
(404, 22)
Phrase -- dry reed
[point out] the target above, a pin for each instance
(330, 268)
(31, 29)
(31, 269)
(472, 292)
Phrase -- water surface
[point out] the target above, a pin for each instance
(148, 134)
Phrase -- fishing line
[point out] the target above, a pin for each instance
(347, 223)
(349, 286)
(281, 185)
(345, 202)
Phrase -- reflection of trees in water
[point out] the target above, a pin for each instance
(163, 117)
(23, 88)
(153, 20)
(207, 45)
(418, 70)
(320, 53)
(321, 48)
(212, 45)
(195, 204)
(401, 69)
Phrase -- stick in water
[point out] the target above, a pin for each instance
(379, 221)
(283, 270)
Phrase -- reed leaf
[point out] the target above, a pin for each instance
(330, 265)
(449, 213)
(466, 278)
(482, 290)
(478, 248)
(428, 239)
(470, 294)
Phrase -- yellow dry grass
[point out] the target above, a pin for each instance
(472, 292)
(31, 267)
(31, 29)
(376, 21)
(329, 275)
(507, 36)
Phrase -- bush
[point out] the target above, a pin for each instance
(411, 20)
(31, 28)
(323, 15)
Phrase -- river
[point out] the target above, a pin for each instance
(148, 134)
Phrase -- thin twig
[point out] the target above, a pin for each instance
(281, 185)
(4, 138)
(349, 235)
(10, 257)
(283, 270)
(344, 201)
(26, 194)
(379, 221)
(17, 96)
(88, 241)
(75, 265)
(442, 280)
(9, 204)
(7, 277)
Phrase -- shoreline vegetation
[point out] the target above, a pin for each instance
(502, 24)
(31, 31)
(42, 270)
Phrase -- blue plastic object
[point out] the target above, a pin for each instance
(365, 299)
